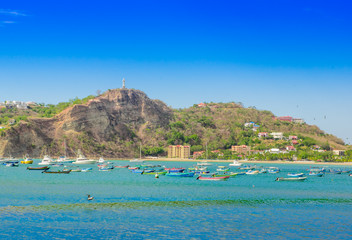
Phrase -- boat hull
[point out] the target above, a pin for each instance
(298, 179)
(224, 178)
(85, 162)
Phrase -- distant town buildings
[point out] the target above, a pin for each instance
(179, 151)
(17, 104)
(243, 149)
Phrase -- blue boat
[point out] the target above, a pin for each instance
(142, 170)
(180, 174)
(295, 174)
(317, 174)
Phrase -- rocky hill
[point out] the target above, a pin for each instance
(110, 125)
(118, 122)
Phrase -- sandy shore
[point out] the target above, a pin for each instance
(244, 162)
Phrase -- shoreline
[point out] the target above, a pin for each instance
(241, 161)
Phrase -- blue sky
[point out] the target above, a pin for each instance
(290, 57)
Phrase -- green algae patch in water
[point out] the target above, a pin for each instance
(173, 204)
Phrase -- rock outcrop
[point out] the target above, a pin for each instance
(108, 125)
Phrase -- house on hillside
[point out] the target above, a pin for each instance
(197, 154)
(202, 105)
(249, 124)
(294, 142)
(277, 135)
(285, 118)
(290, 148)
(263, 134)
(255, 127)
(338, 152)
(298, 120)
(12, 121)
(274, 150)
(292, 137)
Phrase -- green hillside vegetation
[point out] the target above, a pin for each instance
(41, 110)
(221, 125)
(217, 126)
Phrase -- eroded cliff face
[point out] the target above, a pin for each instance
(108, 125)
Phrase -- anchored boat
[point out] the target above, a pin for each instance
(291, 179)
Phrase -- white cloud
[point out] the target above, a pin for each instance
(8, 22)
(12, 12)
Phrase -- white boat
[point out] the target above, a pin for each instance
(101, 160)
(291, 179)
(137, 160)
(235, 164)
(204, 164)
(83, 160)
(63, 159)
(252, 172)
(47, 160)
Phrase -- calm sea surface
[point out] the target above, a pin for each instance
(133, 206)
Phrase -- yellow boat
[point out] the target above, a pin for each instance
(27, 161)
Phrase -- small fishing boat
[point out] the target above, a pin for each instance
(245, 167)
(291, 179)
(86, 169)
(174, 170)
(317, 174)
(137, 160)
(153, 173)
(105, 169)
(273, 170)
(38, 168)
(205, 163)
(133, 168)
(222, 169)
(11, 164)
(101, 160)
(345, 171)
(224, 178)
(122, 166)
(142, 170)
(263, 170)
(58, 172)
(334, 171)
(235, 164)
(201, 172)
(27, 160)
(231, 174)
(180, 174)
(295, 174)
(252, 172)
(47, 160)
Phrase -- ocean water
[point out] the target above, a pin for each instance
(134, 206)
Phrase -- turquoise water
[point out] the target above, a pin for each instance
(133, 206)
